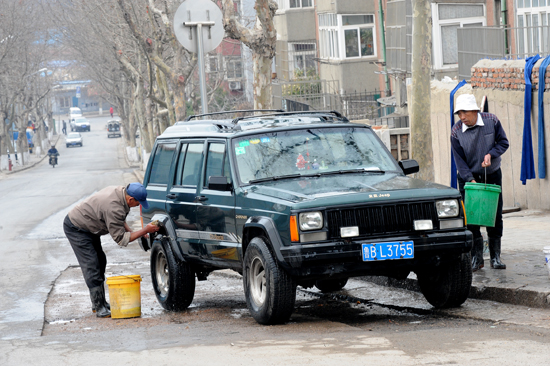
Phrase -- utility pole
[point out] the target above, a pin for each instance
(421, 129)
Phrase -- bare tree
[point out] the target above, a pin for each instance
(261, 39)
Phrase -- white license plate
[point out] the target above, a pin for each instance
(385, 251)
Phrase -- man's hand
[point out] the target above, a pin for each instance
(486, 161)
(473, 181)
(151, 227)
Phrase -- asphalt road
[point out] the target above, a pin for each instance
(45, 316)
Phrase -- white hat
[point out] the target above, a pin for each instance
(466, 102)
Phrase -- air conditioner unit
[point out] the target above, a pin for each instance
(235, 85)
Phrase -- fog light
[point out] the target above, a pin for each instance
(423, 225)
(346, 232)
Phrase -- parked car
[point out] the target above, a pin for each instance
(73, 139)
(80, 124)
(301, 198)
(113, 129)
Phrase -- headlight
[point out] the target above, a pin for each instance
(447, 208)
(311, 220)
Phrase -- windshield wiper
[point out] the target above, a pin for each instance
(347, 171)
(277, 177)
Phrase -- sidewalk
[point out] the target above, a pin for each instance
(525, 281)
(30, 162)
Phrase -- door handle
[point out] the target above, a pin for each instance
(201, 198)
(171, 196)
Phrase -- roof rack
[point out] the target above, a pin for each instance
(283, 113)
(226, 112)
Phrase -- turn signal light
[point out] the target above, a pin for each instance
(294, 236)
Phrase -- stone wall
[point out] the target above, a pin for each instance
(502, 83)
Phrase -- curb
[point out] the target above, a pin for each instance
(513, 296)
(25, 167)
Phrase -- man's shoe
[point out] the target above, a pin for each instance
(494, 250)
(477, 255)
(98, 300)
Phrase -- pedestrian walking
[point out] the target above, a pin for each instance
(478, 141)
(64, 129)
(103, 213)
(111, 111)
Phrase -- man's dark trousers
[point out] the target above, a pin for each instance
(493, 178)
(89, 253)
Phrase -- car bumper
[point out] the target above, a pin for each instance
(345, 258)
(82, 128)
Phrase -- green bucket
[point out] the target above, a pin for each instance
(481, 203)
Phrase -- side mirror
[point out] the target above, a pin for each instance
(218, 183)
(409, 166)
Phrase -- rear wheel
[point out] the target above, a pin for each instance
(270, 292)
(447, 286)
(173, 283)
(331, 285)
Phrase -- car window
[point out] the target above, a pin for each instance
(309, 150)
(192, 164)
(162, 160)
(179, 167)
(217, 163)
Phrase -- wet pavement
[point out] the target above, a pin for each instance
(526, 281)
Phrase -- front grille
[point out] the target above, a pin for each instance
(381, 220)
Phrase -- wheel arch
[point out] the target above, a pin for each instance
(168, 231)
(263, 226)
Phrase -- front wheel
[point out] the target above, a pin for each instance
(447, 286)
(270, 292)
(173, 282)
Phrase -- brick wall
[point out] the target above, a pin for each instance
(505, 75)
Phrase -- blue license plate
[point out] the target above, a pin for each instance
(385, 251)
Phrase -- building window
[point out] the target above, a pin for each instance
(64, 102)
(292, 4)
(234, 68)
(301, 3)
(302, 56)
(533, 33)
(447, 18)
(212, 64)
(357, 32)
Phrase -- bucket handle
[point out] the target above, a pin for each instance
(133, 279)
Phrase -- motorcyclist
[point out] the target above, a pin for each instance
(53, 151)
(53, 154)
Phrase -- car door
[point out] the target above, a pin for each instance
(158, 177)
(180, 198)
(216, 209)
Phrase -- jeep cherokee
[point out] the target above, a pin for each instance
(296, 198)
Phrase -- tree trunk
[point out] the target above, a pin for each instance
(421, 130)
(262, 81)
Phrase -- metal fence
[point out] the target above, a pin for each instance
(323, 95)
(476, 43)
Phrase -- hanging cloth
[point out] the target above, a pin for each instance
(527, 160)
(542, 151)
(453, 165)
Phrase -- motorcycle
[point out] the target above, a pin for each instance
(53, 159)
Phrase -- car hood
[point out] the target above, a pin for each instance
(350, 188)
(82, 123)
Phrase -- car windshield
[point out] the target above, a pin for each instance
(73, 135)
(297, 153)
(81, 120)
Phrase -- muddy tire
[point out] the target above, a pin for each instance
(331, 285)
(270, 292)
(447, 286)
(173, 282)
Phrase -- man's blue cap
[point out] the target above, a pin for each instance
(137, 190)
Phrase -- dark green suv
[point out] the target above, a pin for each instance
(288, 199)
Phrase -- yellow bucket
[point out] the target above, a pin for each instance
(125, 296)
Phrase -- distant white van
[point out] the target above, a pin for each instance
(74, 112)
